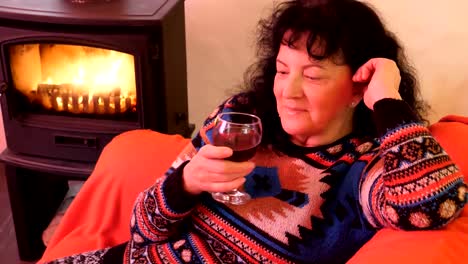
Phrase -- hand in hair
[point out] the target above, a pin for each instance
(381, 79)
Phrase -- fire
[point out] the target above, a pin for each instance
(75, 78)
(59, 102)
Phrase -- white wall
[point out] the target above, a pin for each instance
(220, 45)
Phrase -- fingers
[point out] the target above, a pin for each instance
(209, 171)
(382, 79)
(364, 73)
(214, 159)
(226, 176)
(223, 186)
(230, 167)
(214, 152)
(202, 178)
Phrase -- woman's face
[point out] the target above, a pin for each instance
(313, 97)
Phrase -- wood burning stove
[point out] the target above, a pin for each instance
(73, 75)
(67, 65)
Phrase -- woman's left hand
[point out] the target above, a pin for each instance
(382, 80)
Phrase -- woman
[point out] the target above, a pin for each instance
(344, 153)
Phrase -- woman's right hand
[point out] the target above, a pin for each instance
(209, 171)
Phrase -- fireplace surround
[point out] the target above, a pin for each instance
(73, 75)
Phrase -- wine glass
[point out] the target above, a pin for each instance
(242, 133)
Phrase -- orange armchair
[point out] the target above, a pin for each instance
(100, 214)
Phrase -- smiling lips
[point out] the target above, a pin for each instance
(293, 110)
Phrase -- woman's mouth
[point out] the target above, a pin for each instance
(293, 110)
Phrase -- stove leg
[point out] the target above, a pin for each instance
(34, 199)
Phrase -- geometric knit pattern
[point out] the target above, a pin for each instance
(418, 186)
(261, 231)
(320, 207)
(93, 257)
(311, 205)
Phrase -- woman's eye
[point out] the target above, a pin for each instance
(282, 72)
(312, 77)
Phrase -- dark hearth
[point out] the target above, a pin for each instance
(74, 74)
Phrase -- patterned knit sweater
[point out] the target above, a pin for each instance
(310, 205)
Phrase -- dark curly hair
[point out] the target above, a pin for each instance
(347, 28)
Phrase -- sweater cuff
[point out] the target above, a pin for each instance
(391, 113)
(177, 199)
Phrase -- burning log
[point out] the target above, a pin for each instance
(73, 98)
(95, 105)
(128, 104)
(116, 99)
(66, 90)
(48, 95)
(65, 103)
(75, 102)
(106, 100)
(86, 107)
(53, 95)
(101, 103)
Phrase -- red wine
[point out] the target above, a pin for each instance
(243, 145)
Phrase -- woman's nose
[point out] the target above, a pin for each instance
(293, 87)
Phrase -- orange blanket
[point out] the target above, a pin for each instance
(100, 215)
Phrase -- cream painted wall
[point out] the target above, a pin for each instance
(220, 45)
(436, 38)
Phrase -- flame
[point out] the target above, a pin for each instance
(79, 79)
(90, 71)
(99, 71)
(59, 102)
